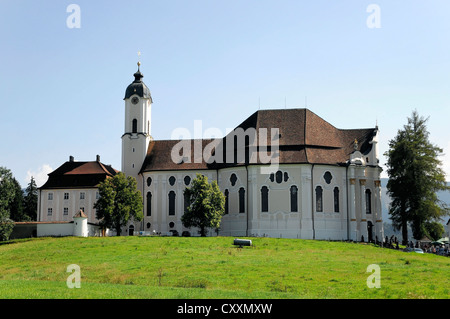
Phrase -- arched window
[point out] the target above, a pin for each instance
(368, 201)
(171, 203)
(226, 200)
(172, 180)
(149, 204)
(264, 199)
(319, 199)
(149, 181)
(336, 199)
(241, 200)
(294, 198)
(134, 126)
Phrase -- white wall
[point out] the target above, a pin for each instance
(55, 229)
(279, 221)
(160, 188)
(73, 204)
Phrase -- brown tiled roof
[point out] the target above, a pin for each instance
(73, 174)
(304, 138)
(159, 156)
(80, 214)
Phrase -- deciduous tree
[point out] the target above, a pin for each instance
(6, 198)
(119, 201)
(206, 205)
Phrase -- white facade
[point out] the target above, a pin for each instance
(63, 204)
(292, 203)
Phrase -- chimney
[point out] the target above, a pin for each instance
(71, 158)
(98, 158)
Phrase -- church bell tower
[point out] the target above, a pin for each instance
(136, 137)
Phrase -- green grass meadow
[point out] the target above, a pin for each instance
(193, 267)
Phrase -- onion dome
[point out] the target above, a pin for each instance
(138, 87)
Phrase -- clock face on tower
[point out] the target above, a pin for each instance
(135, 100)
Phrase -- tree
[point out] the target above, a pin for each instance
(6, 198)
(6, 228)
(118, 202)
(415, 176)
(16, 207)
(206, 205)
(31, 200)
(434, 230)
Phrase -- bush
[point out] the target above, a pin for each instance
(6, 228)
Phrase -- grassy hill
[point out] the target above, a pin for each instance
(178, 267)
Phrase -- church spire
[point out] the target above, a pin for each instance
(138, 86)
(138, 75)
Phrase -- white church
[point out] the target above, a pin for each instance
(285, 173)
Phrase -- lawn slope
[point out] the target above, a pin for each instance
(179, 267)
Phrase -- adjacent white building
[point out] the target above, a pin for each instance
(70, 189)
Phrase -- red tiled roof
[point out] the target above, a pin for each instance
(90, 168)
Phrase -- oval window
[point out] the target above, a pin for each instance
(233, 179)
(327, 177)
(279, 177)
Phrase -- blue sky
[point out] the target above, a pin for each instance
(217, 61)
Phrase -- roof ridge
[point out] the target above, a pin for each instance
(104, 168)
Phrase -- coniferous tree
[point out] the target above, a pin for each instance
(17, 213)
(31, 200)
(415, 176)
(206, 205)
